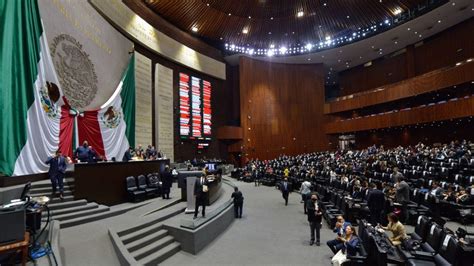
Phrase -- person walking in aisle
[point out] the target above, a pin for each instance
(315, 215)
(305, 191)
(238, 202)
(200, 192)
(285, 189)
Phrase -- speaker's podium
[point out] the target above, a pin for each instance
(187, 180)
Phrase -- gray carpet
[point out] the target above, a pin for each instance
(269, 233)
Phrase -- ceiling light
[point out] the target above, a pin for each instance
(309, 59)
(397, 11)
(194, 28)
(250, 17)
(230, 14)
(439, 21)
(325, 4)
(300, 14)
(308, 46)
(272, 46)
(271, 18)
(469, 60)
(270, 53)
(245, 31)
(207, 4)
(283, 50)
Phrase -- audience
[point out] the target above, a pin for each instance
(397, 229)
(349, 243)
(340, 229)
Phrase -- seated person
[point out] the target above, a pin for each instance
(336, 244)
(435, 189)
(349, 246)
(449, 195)
(397, 229)
(462, 197)
(357, 194)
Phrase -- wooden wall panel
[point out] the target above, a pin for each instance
(428, 82)
(444, 49)
(439, 112)
(281, 108)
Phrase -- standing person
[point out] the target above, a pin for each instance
(285, 189)
(376, 202)
(396, 175)
(200, 192)
(167, 182)
(305, 191)
(402, 196)
(127, 156)
(57, 170)
(82, 153)
(315, 215)
(349, 246)
(238, 202)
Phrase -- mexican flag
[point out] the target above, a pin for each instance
(110, 131)
(30, 99)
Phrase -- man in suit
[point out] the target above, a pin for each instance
(376, 202)
(402, 196)
(128, 155)
(83, 152)
(167, 182)
(340, 229)
(238, 202)
(57, 170)
(315, 214)
(200, 192)
(285, 189)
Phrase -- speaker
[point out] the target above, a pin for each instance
(12, 224)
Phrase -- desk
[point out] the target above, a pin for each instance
(104, 182)
(21, 246)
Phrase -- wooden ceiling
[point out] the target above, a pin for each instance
(275, 21)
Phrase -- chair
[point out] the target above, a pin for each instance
(153, 181)
(143, 186)
(134, 193)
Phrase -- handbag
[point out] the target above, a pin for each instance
(205, 188)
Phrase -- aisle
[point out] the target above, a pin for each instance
(269, 233)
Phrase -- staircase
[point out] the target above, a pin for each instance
(149, 245)
(69, 211)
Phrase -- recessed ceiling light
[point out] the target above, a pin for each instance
(271, 18)
(194, 28)
(397, 11)
(439, 21)
(207, 4)
(230, 14)
(272, 46)
(420, 35)
(269, 32)
(300, 14)
(309, 59)
(454, 3)
(408, 29)
(245, 31)
(325, 4)
(250, 17)
(348, 17)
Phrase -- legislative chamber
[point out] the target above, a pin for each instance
(220, 132)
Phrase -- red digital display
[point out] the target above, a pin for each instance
(184, 105)
(195, 119)
(206, 110)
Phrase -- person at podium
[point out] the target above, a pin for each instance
(83, 152)
(201, 193)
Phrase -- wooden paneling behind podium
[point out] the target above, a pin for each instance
(281, 108)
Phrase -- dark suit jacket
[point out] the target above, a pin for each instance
(312, 217)
(376, 200)
(238, 198)
(198, 188)
(56, 165)
(167, 180)
(282, 187)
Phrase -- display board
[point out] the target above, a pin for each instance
(195, 117)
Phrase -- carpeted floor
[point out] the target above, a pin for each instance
(269, 233)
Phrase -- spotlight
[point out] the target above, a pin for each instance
(300, 14)
(194, 29)
(270, 53)
(283, 50)
(308, 46)
(245, 31)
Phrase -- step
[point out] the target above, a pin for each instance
(88, 206)
(65, 193)
(67, 204)
(88, 219)
(161, 255)
(152, 247)
(84, 213)
(141, 233)
(47, 183)
(58, 200)
(149, 239)
(49, 190)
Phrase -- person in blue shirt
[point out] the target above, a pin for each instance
(83, 152)
(57, 171)
(340, 229)
(349, 247)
